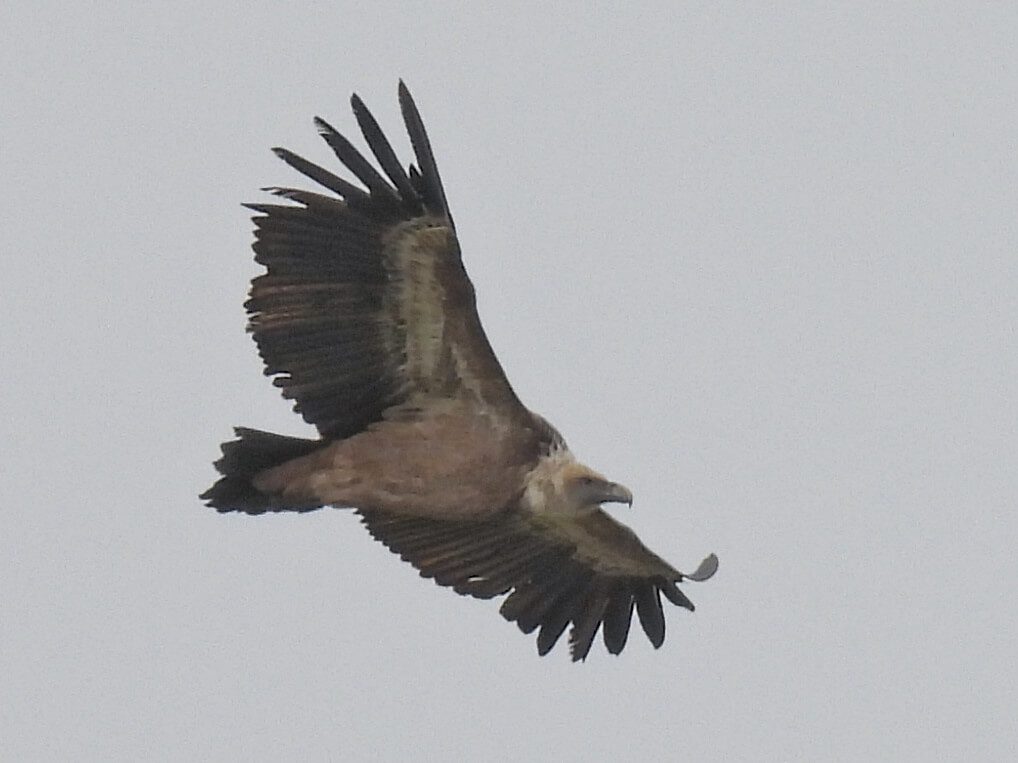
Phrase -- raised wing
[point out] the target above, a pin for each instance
(366, 305)
(591, 572)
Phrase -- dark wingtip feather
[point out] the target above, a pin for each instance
(617, 619)
(586, 625)
(549, 635)
(384, 153)
(354, 161)
(322, 176)
(675, 596)
(648, 609)
(432, 190)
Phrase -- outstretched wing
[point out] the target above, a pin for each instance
(366, 305)
(591, 572)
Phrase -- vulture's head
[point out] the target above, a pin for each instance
(585, 490)
(561, 485)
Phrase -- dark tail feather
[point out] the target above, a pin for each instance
(242, 459)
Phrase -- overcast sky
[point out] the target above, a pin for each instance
(761, 266)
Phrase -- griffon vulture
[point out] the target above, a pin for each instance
(366, 318)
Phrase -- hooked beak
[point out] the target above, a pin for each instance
(616, 493)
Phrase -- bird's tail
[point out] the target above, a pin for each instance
(252, 452)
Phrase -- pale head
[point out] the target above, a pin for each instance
(560, 484)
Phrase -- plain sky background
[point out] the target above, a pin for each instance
(759, 264)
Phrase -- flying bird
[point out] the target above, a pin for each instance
(366, 318)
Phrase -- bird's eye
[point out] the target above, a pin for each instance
(587, 480)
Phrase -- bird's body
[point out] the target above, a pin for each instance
(368, 318)
(429, 466)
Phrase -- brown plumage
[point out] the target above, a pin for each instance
(366, 318)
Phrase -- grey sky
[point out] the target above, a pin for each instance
(759, 265)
